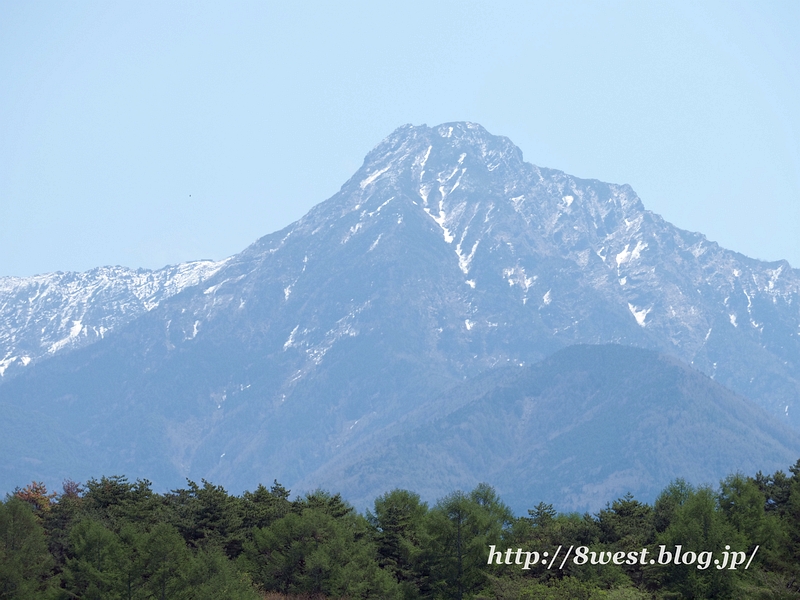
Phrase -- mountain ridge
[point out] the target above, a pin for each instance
(444, 255)
(525, 430)
(87, 305)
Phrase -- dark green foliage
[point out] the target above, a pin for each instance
(315, 552)
(263, 506)
(791, 520)
(116, 501)
(116, 540)
(322, 501)
(401, 537)
(24, 559)
(98, 566)
(627, 526)
(207, 517)
(542, 515)
(627, 523)
(697, 523)
(59, 520)
(212, 576)
(461, 529)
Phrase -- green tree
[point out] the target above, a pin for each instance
(94, 571)
(398, 521)
(264, 506)
(461, 527)
(59, 520)
(698, 525)
(790, 556)
(208, 516)
(25, 562)
(315, 552)
(776, 489)
(165, 561)
(212, 576)
(322, 501)
(542, 515)
(115, 501)
(627, 524)
(743, 505)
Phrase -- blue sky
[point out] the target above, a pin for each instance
(150, 133)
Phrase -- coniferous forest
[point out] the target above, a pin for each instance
(115, 539)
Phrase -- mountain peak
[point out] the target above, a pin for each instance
(445, 255)
(414, 144)
(455, 130)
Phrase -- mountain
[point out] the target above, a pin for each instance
(444, 256)
(47, 314)
(582, 427)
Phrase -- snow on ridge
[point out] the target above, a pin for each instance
(45, 314)
(631, 255)
(424, 161)
(578, 217)
(364, 183)
(464, 260)
(440, 220)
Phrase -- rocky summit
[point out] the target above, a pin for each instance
(444, 257)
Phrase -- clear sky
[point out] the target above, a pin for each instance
(150, 133)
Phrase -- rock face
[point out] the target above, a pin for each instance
(48, 314)
(445, 255)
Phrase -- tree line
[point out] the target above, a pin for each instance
(114, 539)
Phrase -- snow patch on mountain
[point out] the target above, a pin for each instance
(44, 315)
(374, 176)
(640, 314)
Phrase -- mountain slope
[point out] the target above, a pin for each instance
(579, 429)
(47, 314)
(445, 255)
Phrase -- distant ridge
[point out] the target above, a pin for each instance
(45, 315)
(586, 425)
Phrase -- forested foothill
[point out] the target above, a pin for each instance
(115, 539)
